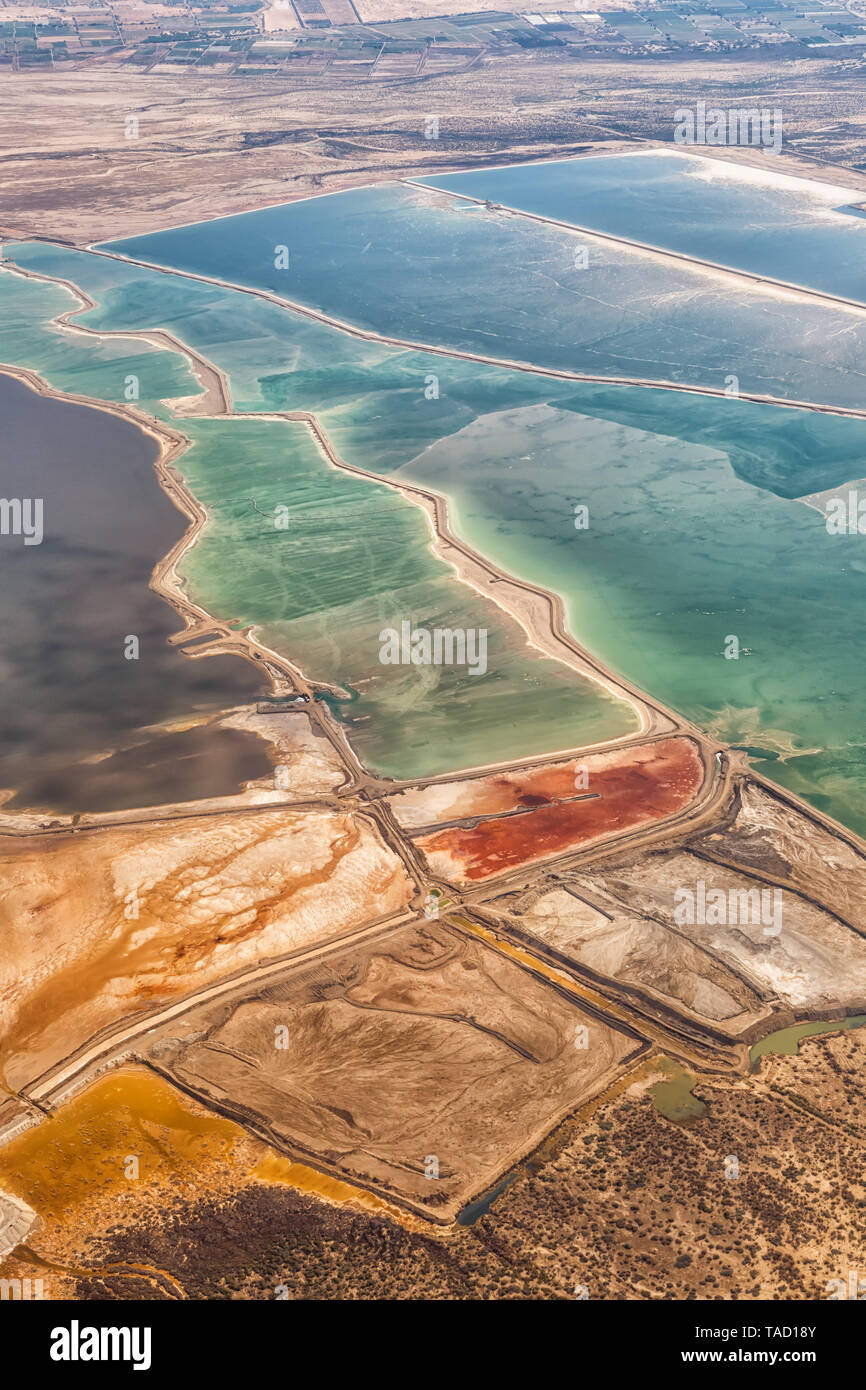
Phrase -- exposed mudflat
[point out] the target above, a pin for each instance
(630, 947)
(103, 924)
(305, 763)
(774, 839)
(788, 949)
(421, 1064)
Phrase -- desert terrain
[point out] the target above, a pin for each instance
(207, 149)
(625, 1203)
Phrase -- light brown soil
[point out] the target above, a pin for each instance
(214, 145)
(421, 1048)
(628, 1205)
(102, 924)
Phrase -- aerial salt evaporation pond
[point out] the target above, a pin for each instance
(695, 528)
(414, 263)
(355, 557)
(72, 598)
(755, 219)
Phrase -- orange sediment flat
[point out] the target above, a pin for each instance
(276, 1169)
(619, 791)
(75, 1171)
(79, 1156)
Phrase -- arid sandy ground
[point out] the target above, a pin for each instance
(373, 11)
(803, 957)
(640, 1206)
(788, 941)
(627, 1205)
(419, 1065)
(210, 146)
(80, 1179)
(624, 945)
